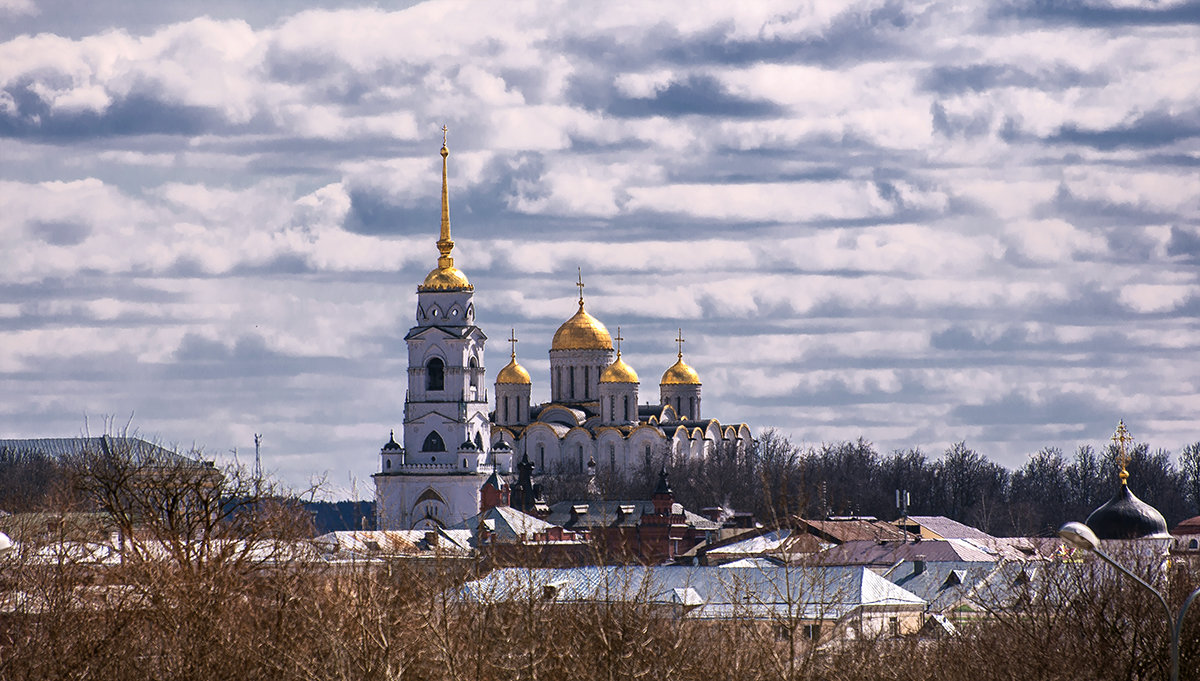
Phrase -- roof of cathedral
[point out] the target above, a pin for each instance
(445, 277)
(619, 372)
(1127, 517)
(514, 373)
(582, 332)
(680, 374)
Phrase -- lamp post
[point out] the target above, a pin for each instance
(1081, 537)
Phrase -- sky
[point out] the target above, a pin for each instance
(913, 222)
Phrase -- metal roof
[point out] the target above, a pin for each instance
(816, 593)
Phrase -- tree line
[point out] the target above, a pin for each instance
(776, 479)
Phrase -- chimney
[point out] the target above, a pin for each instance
(918, 563)
(431, 538)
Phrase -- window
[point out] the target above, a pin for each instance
(612, 408)
(692, 407)
(433, 443)
(586, 383)
(647, 456)
(541, 457)
(612, 457)
(627, 407)
(580, 458)
(435, 374)
(474, 364)
(571, 381)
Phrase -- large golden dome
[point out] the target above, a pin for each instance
(582, 332)
(514, 373)
(448, 278)
(680, 374)
(619, 372)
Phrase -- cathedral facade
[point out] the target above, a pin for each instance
(596, 418)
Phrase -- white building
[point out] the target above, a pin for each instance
(451, 443)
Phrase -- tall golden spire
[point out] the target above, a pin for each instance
(445, 244)
(1122, 439)
(445, 277)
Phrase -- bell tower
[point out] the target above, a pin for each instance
(434, 479)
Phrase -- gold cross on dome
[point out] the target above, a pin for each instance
(679, 341)
(512, 341)
(619, 339)
(580, 285)
(1122, 439)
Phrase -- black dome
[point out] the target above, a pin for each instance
(391, 444)
(1127, 517)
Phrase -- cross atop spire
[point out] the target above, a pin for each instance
(512, 341)
(1122, 439)
(444, 243)
(618, 339)
(580, 285)
(679, 341)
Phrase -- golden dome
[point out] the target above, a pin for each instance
(619, 372)
(446, 279)
(513, 373)
(680, 374)
(582, 332)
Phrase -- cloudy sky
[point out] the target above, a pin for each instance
(916, 222)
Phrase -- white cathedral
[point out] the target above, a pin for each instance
(593, 421)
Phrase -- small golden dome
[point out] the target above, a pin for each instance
(582, 332)
(513, 373)
(446, 279)
(680, 374)
(619, 372)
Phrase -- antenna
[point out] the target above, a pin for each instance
(257, 465)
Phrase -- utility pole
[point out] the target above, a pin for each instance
(257, 466)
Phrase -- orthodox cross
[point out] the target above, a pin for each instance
(619, 339)
(580, 285)
(1122, 439)
(512, 341)
(679, 341)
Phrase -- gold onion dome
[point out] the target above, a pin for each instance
(680, 374)
(513, 373)
(582, 332)
(445, 277)
(619, 372)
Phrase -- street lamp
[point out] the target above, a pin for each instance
(1081, 537)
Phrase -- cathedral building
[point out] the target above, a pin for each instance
(596, 419)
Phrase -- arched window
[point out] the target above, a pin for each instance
(541, 457)
(580, 469)
(474, 364)
(612, 408)
(626, 407)
(692, 407)
(433, 443)
(571, 382)
(435, 374)
(479, 441)
(586, 383)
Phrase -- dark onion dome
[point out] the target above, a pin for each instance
(1127, 517)
(391, 445)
